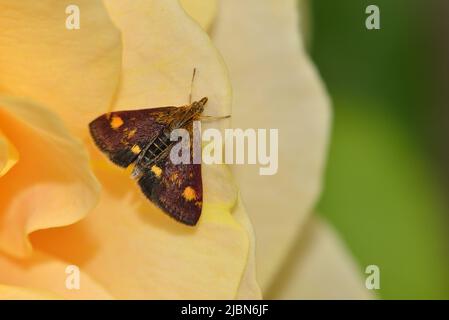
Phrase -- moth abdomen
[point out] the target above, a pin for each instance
(155, 149)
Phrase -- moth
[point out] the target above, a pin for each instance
(142, 138)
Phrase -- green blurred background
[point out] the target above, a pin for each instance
(386, 184)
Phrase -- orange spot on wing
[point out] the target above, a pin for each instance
(189, 194)
(116, 122)
(135, 149)
(156, 170)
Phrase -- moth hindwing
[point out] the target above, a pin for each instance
(142, 137)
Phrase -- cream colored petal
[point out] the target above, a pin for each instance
(275, 86)
(319, 267)
(43, 274)
(138, 252)
(51, 185)
(202, 11)
(161, 47)
(73, 72)
(8, 155)
(19, 293)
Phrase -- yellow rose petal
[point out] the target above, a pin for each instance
(19, 293)
(8, 155)
(48, 276)
(249, 287)
(161, 47)
(73, 72)
(319, 267)
(159, 58)
(51, 185)
(202, 11)
(138, 252)
(275, 86)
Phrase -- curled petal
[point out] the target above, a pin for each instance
(161, 47)
(41, 274)
(275, 86)
(249, 287)
(138, 252)
(8, 155)
(51, 185)
(19, 293)
(73, 72)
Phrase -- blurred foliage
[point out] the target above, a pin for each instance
(383, 190)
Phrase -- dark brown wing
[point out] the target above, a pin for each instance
(177, 189)
(122, 135)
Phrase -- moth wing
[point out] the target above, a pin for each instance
(121, 135)
(175, 188)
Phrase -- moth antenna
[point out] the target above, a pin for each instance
(191, 85)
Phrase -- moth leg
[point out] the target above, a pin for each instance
(212, 118)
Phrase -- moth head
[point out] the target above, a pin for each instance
(198, 107)
(200, 104)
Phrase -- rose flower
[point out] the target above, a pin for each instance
(64, 207)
